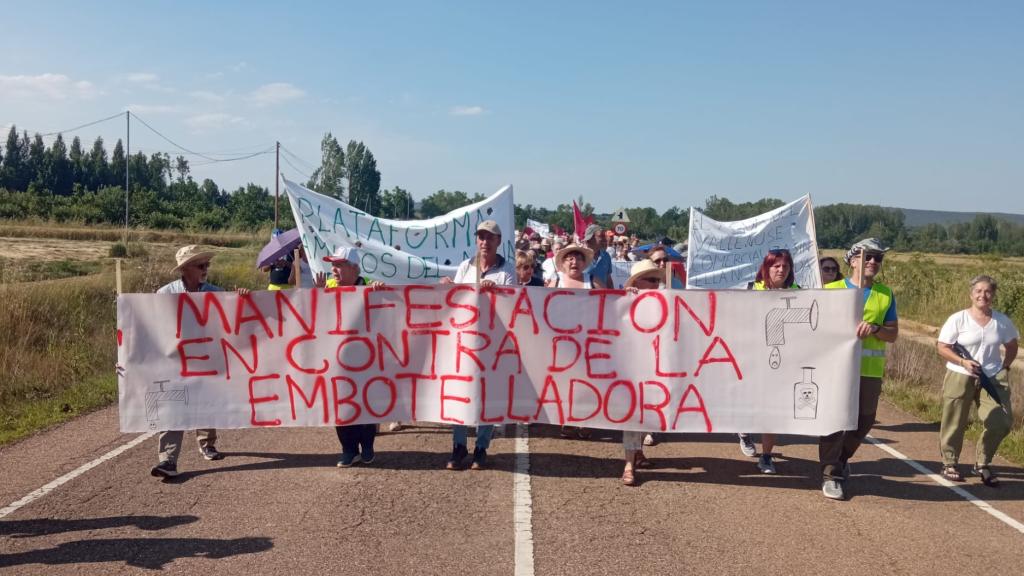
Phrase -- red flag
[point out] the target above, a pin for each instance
(579, 222)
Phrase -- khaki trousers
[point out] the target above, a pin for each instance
(959, 393)
(836, 448)
(170, 442)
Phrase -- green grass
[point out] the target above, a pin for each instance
(57, 345)
(913, 383)
(25, 416)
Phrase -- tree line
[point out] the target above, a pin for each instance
(64, 183)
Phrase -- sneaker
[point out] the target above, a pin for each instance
(747, 446)
(210, 453)
(833, 489)
(395, 426)
(765, 464)
(165, 469)
(649, 440)
(367, 456)
(479, 459)
(459, 453)
(347, 460)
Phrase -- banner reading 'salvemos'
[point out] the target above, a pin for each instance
(686, 361)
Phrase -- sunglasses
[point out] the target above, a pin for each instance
(873, 257)
(658, 261)
(829, 268)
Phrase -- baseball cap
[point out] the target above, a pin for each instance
(489, 226)
(344, 254)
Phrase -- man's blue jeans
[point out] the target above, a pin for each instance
(483, 435)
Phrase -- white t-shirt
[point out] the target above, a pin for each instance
(548, 266)
(981, 341)
(503, 273)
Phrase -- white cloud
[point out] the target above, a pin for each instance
(239, 67)
(207, 96)
(213, 121)
(275, 93)
(142, 78)
(49, 86)
(154, 109)
(467, 111)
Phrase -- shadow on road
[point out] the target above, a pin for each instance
(44, 526)
(151, 553)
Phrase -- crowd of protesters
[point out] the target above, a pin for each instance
(978, 343)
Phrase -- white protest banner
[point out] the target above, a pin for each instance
(397, 251)
(683, 361)
(728, 254)
(620, 272)
(538, 227)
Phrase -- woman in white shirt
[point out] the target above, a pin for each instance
(981, 330)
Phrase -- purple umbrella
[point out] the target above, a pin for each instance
(278, 247)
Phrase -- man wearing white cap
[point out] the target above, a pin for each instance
(193, 266)
(486, 269)
(878, 326)
(356, 439)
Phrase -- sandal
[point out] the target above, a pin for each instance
(987, 477)
(628, 478)
(952, 474)
(641, 461)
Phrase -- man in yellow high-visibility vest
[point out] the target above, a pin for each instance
(878, 326)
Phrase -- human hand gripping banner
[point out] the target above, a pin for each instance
(673, 361)
(397, 251)
(727, 254)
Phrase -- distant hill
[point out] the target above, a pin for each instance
(914, 218)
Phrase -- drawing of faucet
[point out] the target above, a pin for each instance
(153, 400)
(776, 320)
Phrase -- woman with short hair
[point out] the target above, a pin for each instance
(980, 330)
(830, 271)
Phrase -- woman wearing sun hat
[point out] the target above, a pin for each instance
(644, 275)
(570, 262)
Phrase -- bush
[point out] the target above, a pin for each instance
(130, 250)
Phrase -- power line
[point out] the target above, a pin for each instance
(300, 172)
(298, 159)
(94, 122)
(172, 142)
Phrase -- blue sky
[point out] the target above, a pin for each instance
(912, 104)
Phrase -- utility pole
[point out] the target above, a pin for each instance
(127, 162)
(277, 181)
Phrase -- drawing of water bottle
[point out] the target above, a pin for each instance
(805, 396)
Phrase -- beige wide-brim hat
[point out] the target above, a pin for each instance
(189, 254)
(642, 269)
(588, 255)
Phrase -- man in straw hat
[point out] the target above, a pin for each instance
(193, 265)
(486, 269)
(878, 326)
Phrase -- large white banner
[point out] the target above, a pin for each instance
(727, 254)
(397, 251)
(538, 227)
(677, 361)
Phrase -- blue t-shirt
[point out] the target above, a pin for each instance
(601, 267)
(890, 314)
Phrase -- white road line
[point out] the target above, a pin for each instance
(522, 508)
(40, 492)
(1002, 517)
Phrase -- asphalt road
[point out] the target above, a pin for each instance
(277, 504)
